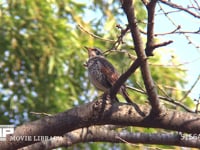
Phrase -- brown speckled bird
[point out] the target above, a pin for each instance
(102, 73)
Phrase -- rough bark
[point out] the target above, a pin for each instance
(101, 112)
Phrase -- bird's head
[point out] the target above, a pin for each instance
(92, 52)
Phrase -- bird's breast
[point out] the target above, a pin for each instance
(97, 78)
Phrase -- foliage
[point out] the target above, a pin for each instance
(41, 61)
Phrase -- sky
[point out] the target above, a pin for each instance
(187, 53)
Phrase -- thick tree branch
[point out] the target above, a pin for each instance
(150, 27)
(148, 81)
(103, 134)
(101, 112)
(123, 78)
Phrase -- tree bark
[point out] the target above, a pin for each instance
(101, 112)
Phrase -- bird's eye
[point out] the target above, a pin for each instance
(98, 52)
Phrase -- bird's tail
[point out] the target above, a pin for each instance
(125, 94)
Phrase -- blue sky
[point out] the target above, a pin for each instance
(187, 53)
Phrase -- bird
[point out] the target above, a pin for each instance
(102, 73)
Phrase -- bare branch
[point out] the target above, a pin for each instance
(150, 27)
(102, 134)
(171, 32)
(168, 12)
(120, 37)
(171, 100)
(159, 45)
(175, 31)
(93, 35)
(165, 98)
(40, 113)
(176, 65)
(123, 78)
(198, 5)
(137, 40)
(188, 92)
(101, 112)
(173, 5)
(181, 32)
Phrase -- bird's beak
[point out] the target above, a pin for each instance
(87, 48)
(91, 52)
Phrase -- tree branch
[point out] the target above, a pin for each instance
(115, 88)
(148, 81)
(93, 35)
(101, 112)
(181, 32)
(102, 134)
(166, 98)
(188, 92)
(173, 5)
(119, 38)
(159, 45)
(150, 27)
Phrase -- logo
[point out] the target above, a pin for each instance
(5, 130)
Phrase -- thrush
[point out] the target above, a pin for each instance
(102, 73)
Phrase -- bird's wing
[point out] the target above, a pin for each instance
(109, 71)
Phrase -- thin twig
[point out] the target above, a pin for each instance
(189, 91)
(171, 87)
(181, 32)
(175, 31)
(177, 103)
(120, 37)
(121, 139)
(171, 32)
(169, 12)
(198, 5)
(175, 65)
(93, 35)
(140, 87)
(131, 56)
(40, 113)
(173, 5)
(168, 99)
